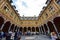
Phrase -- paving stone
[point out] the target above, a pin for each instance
(36, 37)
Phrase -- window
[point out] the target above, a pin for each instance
(6, 9)
(21, 22)
(15, 17)
(51, 9)
(12, 14)
(36, 22)
(46, 15)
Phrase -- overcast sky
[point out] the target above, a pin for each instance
(29, 7)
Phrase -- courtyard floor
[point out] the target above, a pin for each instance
(35, 37)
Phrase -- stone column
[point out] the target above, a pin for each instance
(3, 25)
(14, 28)
(35, 29)
(26, 29)
(31, 30)
(55, 27)
(48, 28)
(9, 27)
(44, 30)
(41, 31)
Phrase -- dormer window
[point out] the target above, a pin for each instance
(51, 8)
(46, 15)
(6, 9)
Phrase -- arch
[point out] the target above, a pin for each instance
(51, 27)
(29, 28)
(33, 29)
(1, 21)
(21, 29)
(12, 27)
(57, 23)
(25, 29)
(6, 26)
(37, 29)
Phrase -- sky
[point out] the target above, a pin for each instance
(29, 7)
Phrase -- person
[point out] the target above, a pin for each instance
(7, 35)
(53, 36)
(18, 35)
(15, 37)
(1, 34)
(12, 35)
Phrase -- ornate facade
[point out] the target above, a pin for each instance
(48, 20)
(9, 18)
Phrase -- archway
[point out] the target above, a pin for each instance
(29, 28)
(6, 26)
(25, 29)
(37, 29)
(57, 23)
(1, 21)
(51, 27)
(33, 29)
(12, 27)
(21, 29)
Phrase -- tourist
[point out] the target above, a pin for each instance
(18, 35)
(53, 36)
(7, 35)
(15, 37)
(1, 34)
(12, 35)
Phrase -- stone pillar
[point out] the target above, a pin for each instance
(44, 30)
(31, 29)
(48, 28)
(41, 31)
(2, 25)
(9, 27)
(55, 27)
(14, 28)
(26, 29)
(35, 29)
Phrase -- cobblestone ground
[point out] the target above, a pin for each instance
(35, 37)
